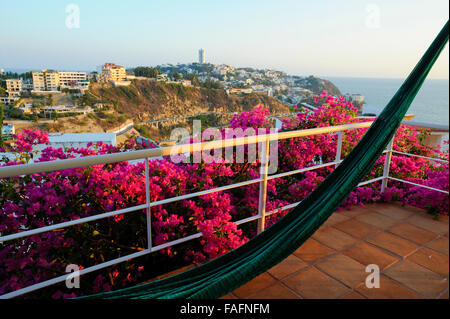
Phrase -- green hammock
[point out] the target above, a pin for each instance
(230, 271)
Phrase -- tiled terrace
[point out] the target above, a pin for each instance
(408, 245)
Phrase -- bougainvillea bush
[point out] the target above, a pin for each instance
(37, 200)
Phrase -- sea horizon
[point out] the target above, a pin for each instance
(431, 105)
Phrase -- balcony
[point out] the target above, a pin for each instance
(399, 240)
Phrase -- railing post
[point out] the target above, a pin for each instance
(339, 147)
(147, 203)
(387, 164)
(264, 167)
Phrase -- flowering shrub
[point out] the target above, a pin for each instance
(42, 199)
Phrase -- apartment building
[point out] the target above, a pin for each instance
(73, 80)
(51, 80)
(14, 87)
(112, 72)
(46, 80)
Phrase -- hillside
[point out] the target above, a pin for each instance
(318, 85)
(146, 100)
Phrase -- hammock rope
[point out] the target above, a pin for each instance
(232, 270)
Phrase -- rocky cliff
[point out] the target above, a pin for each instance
(146, 100)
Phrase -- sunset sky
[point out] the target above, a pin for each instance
(351, 38)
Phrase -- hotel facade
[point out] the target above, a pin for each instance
(112, 73)
(51, 80)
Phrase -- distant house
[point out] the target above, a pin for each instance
(357, 98)
(61, 109)
(186, 82)
(7, 131)
(26, 109)
(162, 77)
(77, 140)
(121, 83)
(239, 91)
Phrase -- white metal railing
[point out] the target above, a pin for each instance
(20, 170)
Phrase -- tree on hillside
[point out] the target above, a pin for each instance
(27, 75)
(146, 71)
(50, 100)
(3, 91)
(9, 75)
(194, 79)
(211, 84)
(175, 76)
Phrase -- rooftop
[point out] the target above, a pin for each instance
(81, 137)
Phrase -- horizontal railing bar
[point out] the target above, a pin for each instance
(175, 242)
(205, 192)
(290, 206)
(70, 223)
(50, 166)
(123, 211)
(64, 277)
(373, 180)
(284, 174)
(248, 219)
(424, 186)
(425, 157)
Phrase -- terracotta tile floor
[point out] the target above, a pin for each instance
(408, 245)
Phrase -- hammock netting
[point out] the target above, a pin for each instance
(230, 271)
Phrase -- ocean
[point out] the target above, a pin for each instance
(431, 104)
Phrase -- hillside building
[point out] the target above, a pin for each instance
(201, 56)
(112, 73)
(13, 87)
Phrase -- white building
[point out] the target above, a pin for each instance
(77, 140)
(9, 100)
(51, 80)
(357, 98)
(201, 56)
(162, 77)
(61, 109)
(73, 80)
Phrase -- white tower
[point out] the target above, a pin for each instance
(201, 56)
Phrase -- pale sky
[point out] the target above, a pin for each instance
(353, 38)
